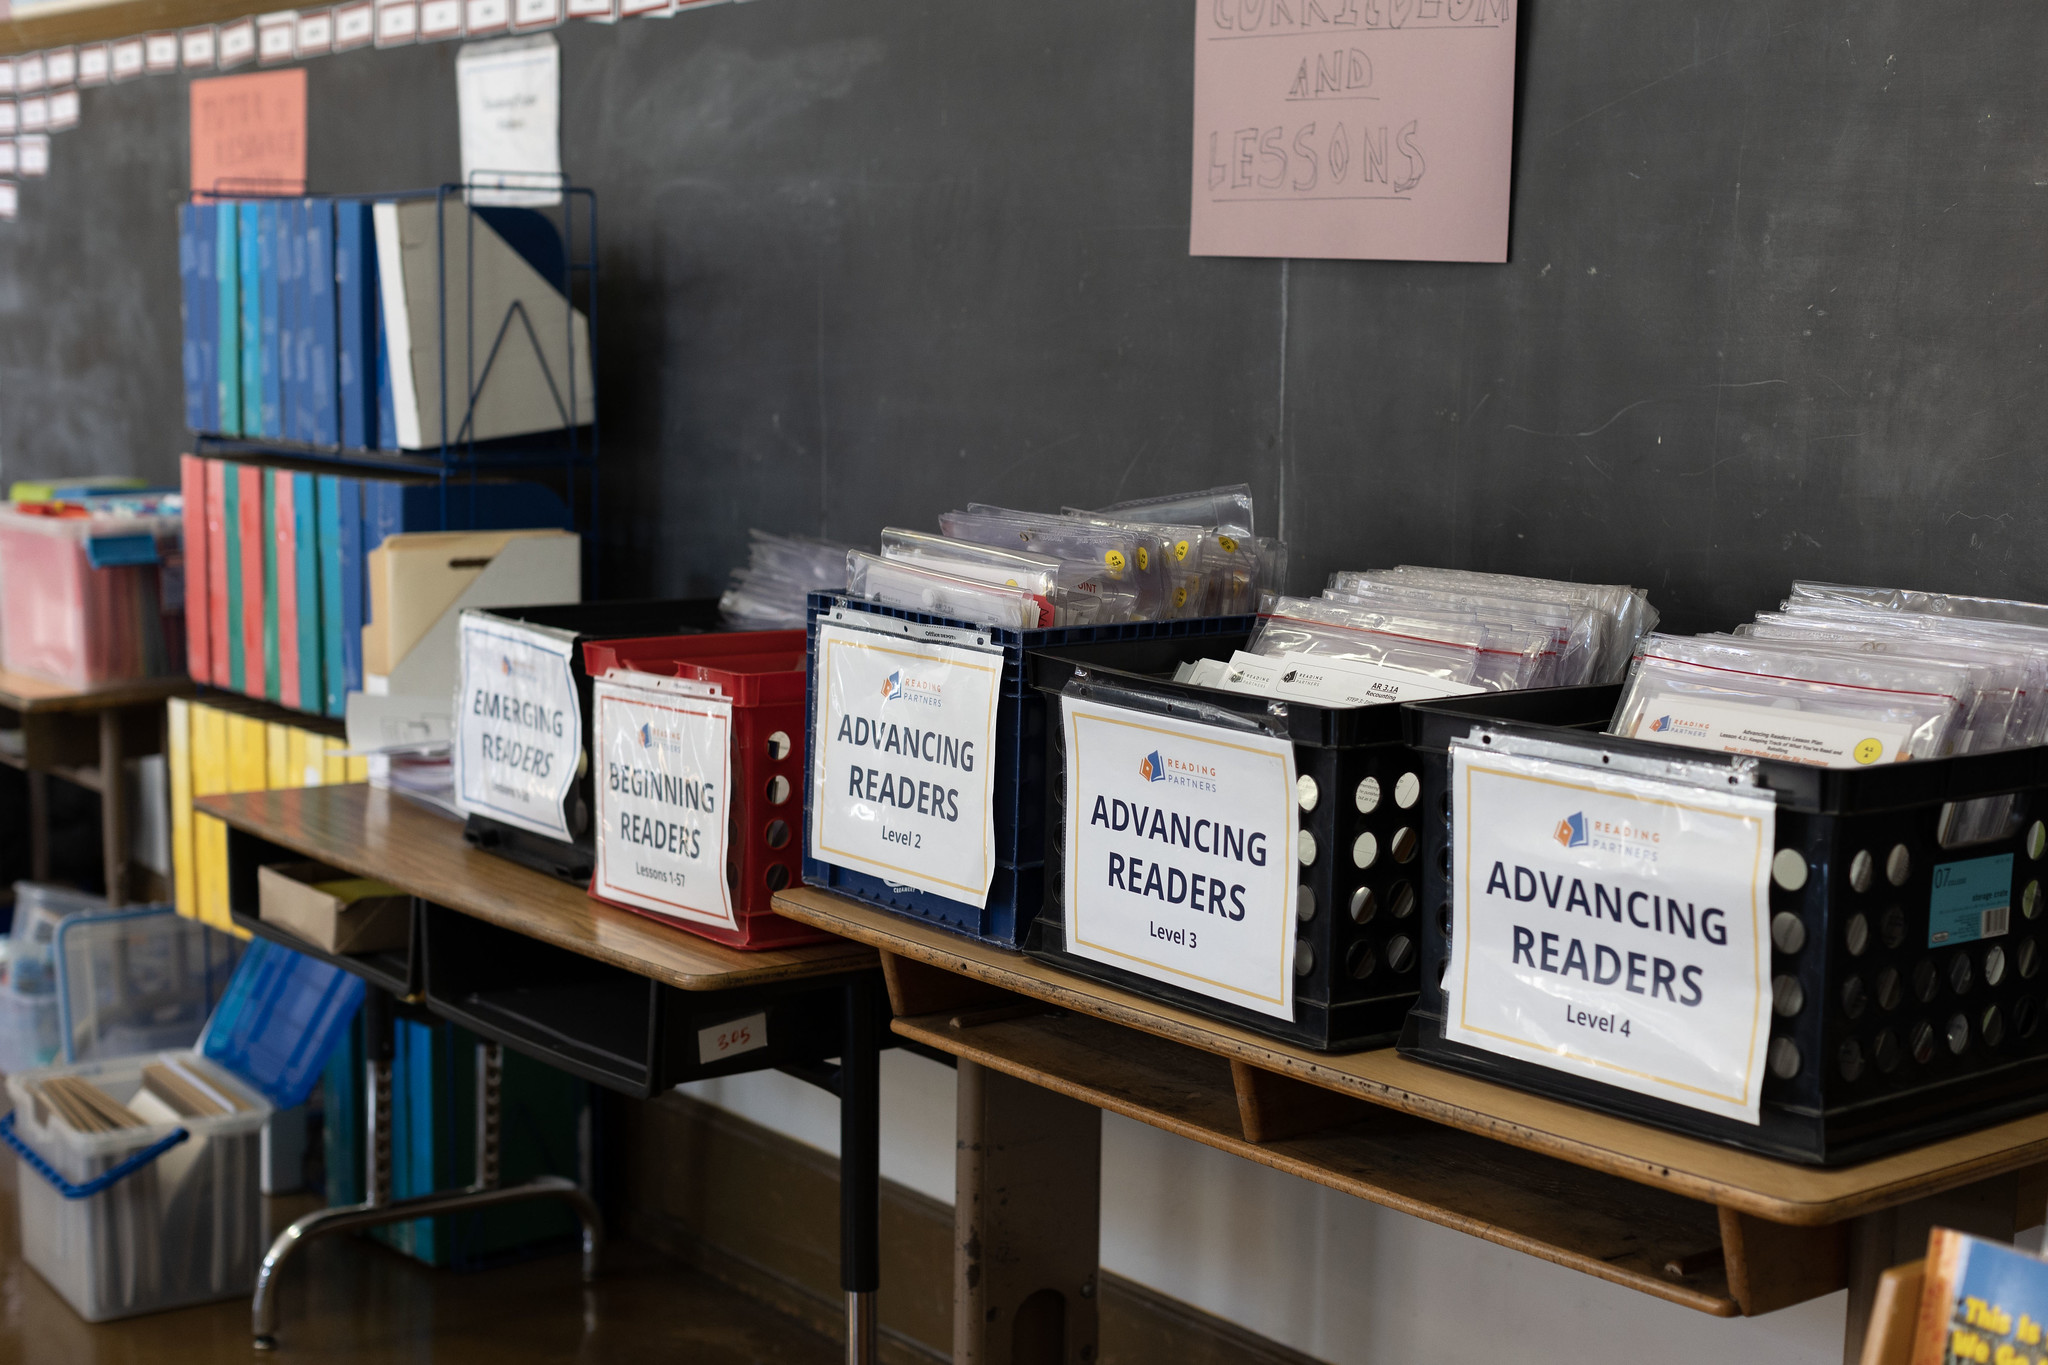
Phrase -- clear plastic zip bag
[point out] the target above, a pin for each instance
(1445, 648)
(1625, 613)
(896, 584)
(1734, 695)
(1103, 559)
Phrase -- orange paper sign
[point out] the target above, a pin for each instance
(249, 133)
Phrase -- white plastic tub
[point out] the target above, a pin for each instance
(184, 1227)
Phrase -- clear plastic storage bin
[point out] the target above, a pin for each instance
(92, 591)
(165, 1215)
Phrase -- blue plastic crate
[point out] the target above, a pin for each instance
(282, 1015)
(1018, 886)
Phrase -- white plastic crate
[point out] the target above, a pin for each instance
(184, 1226)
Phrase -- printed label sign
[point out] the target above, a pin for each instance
(1180, 853)
(1768, 732)
(664, 768)
(1972, 899)
(903, 740)
(518, 730)
(732, 1038)
(1613, 927)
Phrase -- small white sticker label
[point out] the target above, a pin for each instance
(720, 1041)
(1613, 927)
(664, 764)
(518, 729)
(1181, 853)
(903, 760)
(1771, 732)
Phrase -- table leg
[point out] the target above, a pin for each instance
(1889, 1237)
(39, 826)
(114, 807)
(860, 1172)
(1026, 1220)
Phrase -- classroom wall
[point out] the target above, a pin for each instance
(1329, 1275)
(1771, 308)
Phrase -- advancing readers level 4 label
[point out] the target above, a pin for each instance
(1771, 732)
(903, 760)
(664, 764)
(518, 730)
(1613, 927)
(1180, 853)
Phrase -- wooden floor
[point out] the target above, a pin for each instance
(350, 1300)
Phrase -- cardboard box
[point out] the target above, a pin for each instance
(332, 910)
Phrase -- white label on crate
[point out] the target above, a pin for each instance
(1613, 927)
(664, 767)
(732, 1038)
(1771, 732)
(903, 763)
(1181, 853)
(518, 730)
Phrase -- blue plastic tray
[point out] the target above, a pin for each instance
(282, 1014)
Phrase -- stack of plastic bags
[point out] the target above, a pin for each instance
(1412, 633)
(781, 571)
(1158, 559)
(1848, 677)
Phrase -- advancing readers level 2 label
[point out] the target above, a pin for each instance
(518, 729)
(664, 763)
(1180, 853)
(1613, 927)
(1769, 732)
(903, 760)
(1972, 899)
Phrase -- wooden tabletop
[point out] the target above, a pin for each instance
(1777, 1191)
(26, 692)
(371, 832)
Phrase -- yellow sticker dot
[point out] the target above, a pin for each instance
(1869, 750)
(1180, 595)
(1180, 549)
(1229, 545)
(1144, 560)
(1115, 560)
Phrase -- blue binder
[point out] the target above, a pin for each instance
(270, 367)
(306, 552)
(250, 271)
(227, 320)
(322, 426)
(286, 248)
(193, 319)
(333, 672)
(357, 335)
(349, 564)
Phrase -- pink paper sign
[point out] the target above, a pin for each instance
(1360, 129)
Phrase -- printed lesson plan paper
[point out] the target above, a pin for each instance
(1357, 129)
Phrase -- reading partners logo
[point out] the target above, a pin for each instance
(896, 687)
(1578, 830)
(1154, 767)
(1678, 725)
(662, 741)
(647, 737)
(521, 669)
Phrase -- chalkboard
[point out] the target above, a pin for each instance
(1772, 307)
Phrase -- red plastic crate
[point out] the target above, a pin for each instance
(762, 674)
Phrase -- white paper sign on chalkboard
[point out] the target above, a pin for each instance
(1614, 927)
(1356, 129)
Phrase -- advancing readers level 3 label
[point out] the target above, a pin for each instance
(664, 764)
(1971, 899)
(903, 760)
(1613, 927)
(518, 729)
(1180, 853)
(1770, 732)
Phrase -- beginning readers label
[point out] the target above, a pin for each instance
(1181, 853)
(903, 737)
(663, 775)
(1613, 927)
(519, 730)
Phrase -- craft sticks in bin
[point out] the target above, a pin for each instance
(1017, 880)
(1885, 1032)
(147, 1197)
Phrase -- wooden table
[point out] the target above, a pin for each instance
(1697, 1224)
(535, 964)
(83, 735)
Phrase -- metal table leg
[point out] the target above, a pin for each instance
(114, 806)
(378, 1207)
(860, 1177)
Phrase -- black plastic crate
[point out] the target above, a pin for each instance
(1867, 1008)
(1357, 920)
(1017, 888)
(572, 860)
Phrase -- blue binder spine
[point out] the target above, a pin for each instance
(333, 672)
(227, 320)
(322, 426)
(306, 552)
(191, 316)
(250, 270)
(349, 535)
(270, 371)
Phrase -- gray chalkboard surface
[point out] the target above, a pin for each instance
(1772, 308)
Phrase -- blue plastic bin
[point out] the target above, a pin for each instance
(1018, 885)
